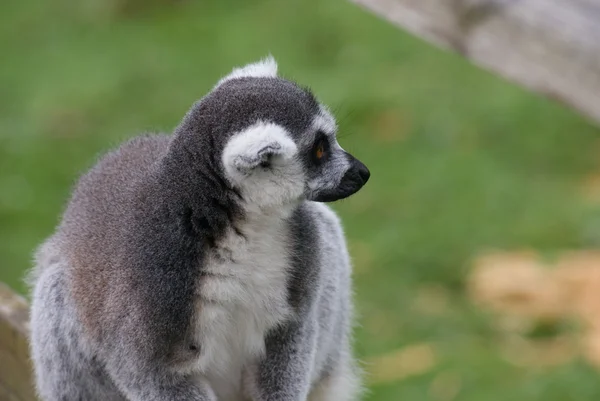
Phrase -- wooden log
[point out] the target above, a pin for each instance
(549, 46)
(15, 365)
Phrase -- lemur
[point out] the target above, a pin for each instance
(204, 265)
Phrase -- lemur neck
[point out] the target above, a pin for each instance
(211, 205)
(255, 213)
(196, 194)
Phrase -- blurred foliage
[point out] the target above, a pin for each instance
(547, 309)
(461, 161)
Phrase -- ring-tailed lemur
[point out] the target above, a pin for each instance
(203, 265)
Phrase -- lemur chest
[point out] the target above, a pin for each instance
(241, 295)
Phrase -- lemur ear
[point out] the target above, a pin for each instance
(261, 145)
(266, 67)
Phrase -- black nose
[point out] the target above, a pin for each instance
(363, 172)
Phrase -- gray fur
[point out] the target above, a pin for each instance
(178, 273)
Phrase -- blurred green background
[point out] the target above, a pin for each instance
(461, 161)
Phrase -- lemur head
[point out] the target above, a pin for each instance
(271, 140)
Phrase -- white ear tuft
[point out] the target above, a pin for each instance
(266, 67)
(258, 144)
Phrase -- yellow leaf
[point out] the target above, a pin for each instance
(445, 386)
(540, 353)
(590, 188)
(398, 365)
(516, 283)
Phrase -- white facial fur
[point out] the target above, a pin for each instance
(325, 122)
(276, 184)
(267, 67)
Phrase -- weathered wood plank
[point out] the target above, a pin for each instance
(14, 310)
(549, 46)
(15, 365)
(7, 395)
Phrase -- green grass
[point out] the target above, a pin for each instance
(461, 161)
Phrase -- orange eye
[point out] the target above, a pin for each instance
(320, 151)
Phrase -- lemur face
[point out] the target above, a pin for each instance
(277, 143)
(331, 172)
